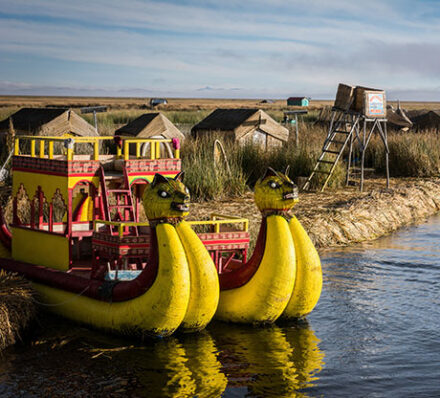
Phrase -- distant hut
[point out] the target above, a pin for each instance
(151, 125)
(157, 101)
(47, 122)
(243, 126)
(298, 101)
(398, 119)
(425, 120)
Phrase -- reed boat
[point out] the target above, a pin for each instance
(283, 277)
(76, 234)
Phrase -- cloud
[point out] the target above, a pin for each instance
(266, 49)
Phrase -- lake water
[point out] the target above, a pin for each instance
(374, 333)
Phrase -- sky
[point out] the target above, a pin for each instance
(219, 49)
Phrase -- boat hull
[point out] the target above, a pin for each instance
(308, 282)
(158, 310)
(263, 298)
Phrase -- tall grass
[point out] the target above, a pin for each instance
(410, 154)
(209, 180)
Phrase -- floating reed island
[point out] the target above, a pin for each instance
(17, 307)
(346, 216)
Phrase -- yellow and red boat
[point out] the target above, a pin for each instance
(76, 234)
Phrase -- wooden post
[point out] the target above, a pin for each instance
(126, 150)
(152, 150)
(363, 155)
(95, 147)
(69, 154)
(42, 143)
(138, 150)
(33, 148)
(50, 149)
(296, 130)
(387, 155)
(17, 147)
(350, 151)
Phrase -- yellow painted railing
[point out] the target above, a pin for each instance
(69, 143)
(216, 221)
(154, 147)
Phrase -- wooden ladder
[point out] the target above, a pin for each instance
(123, 208)
(343, 125)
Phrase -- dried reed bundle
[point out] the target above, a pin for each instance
(17, 307)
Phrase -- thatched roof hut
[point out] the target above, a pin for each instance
(397, 118)
(151, 125)
(48, 122)
(426, 119)
(243, 126)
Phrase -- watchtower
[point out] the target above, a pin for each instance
(357, 114)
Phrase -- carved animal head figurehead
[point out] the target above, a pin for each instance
(275, 192)
(166, 199)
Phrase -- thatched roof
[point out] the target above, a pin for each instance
(241, 122)
(398, 118)
(427, 119)
(151, 125)
(224, 119)
(47, 121)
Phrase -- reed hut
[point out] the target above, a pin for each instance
(398, 119)
(243, 126)
(426, 119)
(151, 125)
(47, 122)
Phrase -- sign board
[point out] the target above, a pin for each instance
(94, 109)
(375, 104)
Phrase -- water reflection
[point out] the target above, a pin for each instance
(273, 361)
(183, 366)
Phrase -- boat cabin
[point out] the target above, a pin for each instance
(77, 205)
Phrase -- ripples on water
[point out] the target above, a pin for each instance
(375, 332)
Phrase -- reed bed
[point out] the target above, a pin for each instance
(209, 180)
(411, 154)
(17, 307)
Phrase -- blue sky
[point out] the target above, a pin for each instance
(225, 49)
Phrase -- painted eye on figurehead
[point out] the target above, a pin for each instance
(187, 190)
(163, 194)
(273, 185)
